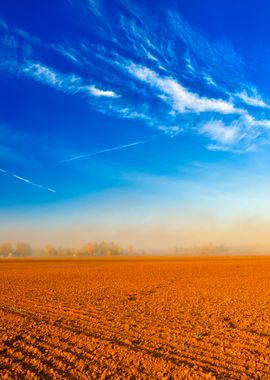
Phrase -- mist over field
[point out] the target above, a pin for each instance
(165, 236)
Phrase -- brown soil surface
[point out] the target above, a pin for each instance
(135, 319)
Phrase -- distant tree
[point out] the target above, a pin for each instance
(65, 252)
(88, 249)
(50, 251)
(117, 250)
(23, 249)
(6, 249)
(101, 248)
(108, 249)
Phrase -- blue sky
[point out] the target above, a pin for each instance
(127, 118)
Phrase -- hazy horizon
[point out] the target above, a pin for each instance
(142, 123)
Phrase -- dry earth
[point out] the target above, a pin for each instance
(135, 319)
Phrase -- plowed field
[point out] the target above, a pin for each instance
(135, 319)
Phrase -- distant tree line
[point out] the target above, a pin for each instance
(20, 249)
(207, 249)
(102, 249)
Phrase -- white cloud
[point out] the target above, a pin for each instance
(181, 98)
(171, 131)
(252, 122)
(97, 92)
(67, 52)
(213, 64)
(262, 123)
(243, 135)
(151, 57)
(217, 131)
(46, 75)
(189, 65)
(70, 83)
(131, 114)
(223, 148)
(254, 100)
(218, 148)
(209, 80)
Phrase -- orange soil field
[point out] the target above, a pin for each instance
(149, 318)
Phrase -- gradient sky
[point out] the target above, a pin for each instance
(141, 121)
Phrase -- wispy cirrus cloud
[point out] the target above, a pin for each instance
(225, 135)
(70, 83)
(252, 100)
(164, 82)
(215, 58)
(242, 135)
(18, 38)
(181, 98)
(95, 7)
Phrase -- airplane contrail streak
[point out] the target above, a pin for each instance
(118, 147)
(27, 181)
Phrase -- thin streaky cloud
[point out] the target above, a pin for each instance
(66, 52)
(119, 147)
(69, 83)
(207, 78)
(218, 58)
(27, 181)
(181, 98)
(253, 100)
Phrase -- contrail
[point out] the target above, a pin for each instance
(106, 150)
(28, 181)
(118, 147)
